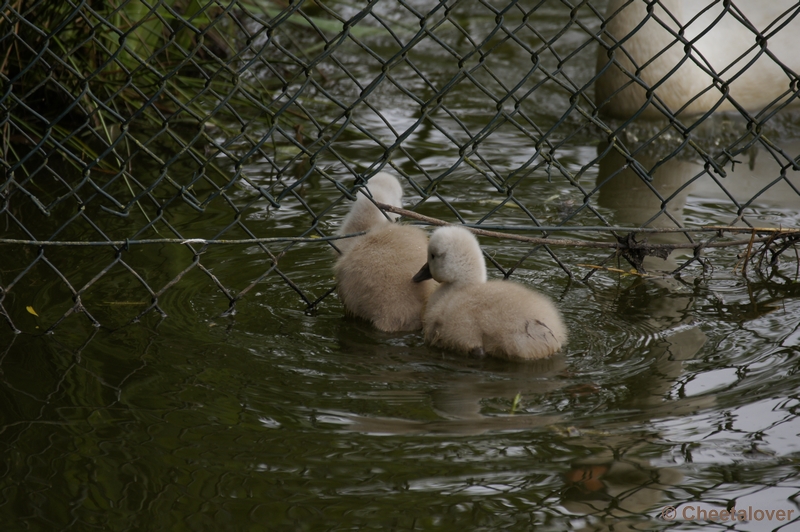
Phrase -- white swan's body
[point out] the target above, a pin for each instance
(469, 314)
(721, 43)
(374, 270)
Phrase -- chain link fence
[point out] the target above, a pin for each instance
(141, 134)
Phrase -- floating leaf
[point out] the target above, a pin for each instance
(31, 311)
(515, 404)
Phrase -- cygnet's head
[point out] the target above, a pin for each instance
(453, 256)
(384, 188)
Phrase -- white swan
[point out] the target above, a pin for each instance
(468, 314)
(374, 271)
(722, 42)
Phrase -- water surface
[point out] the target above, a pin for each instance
(672, 391)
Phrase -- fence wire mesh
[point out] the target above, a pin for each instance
(146, 137)
(148, 146)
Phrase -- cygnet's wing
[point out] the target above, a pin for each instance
(520, 324)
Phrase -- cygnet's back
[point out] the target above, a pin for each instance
(374, 272)
(468, 314)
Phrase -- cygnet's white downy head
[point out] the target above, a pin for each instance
(454, 256)
(364, 215)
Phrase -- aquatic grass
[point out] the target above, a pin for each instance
(74, 74)
(96, 86)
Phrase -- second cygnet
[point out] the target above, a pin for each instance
(374, 272)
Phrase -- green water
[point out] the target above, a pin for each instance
(675, 392)
(275, 420)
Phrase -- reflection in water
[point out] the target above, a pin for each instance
(262, 426)
(616, 491)
(677, 183)
(683, 193)
(615, 485)
(613, 481)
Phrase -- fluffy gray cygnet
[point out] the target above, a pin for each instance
(469, 314)
(374, 272)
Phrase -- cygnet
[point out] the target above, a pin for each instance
(468, 314)
(374, 272)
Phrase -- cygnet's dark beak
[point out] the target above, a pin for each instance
(423, 274)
